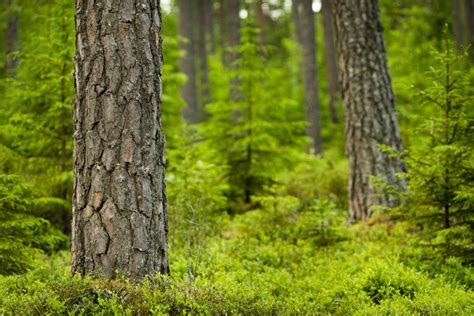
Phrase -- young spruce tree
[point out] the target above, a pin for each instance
(257, 131)
(441, 176)
(37, 108)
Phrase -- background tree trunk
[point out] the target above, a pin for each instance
(119, 202)
(306, 33)
(187, 63)
(222, 28)
(203, 41)
(469, 24)
(208, 13)
(11, 39)
(232, 28)
(369, 103)
(260, 22)
(330, 57)
(458, 24)
(232, 42)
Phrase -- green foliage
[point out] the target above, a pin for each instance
(409, 32)
(36, 125)
(289, 251)
(196, 200)
(284, 217)
(385, 283)
(35, 140)
(319, 177)
(172, 104)
(252, 276)
(254, 125)
(441, 165)
(22, 233)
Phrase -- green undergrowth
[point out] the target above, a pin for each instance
(372, 270)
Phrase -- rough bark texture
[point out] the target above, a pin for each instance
(11, 39)
(203, 41)
(187, 62)
(371, 118)
(458, 24)
(330, 58)
(303, 16)
(469, 23)
(119, 203)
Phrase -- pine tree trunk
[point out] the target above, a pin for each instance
(469, 24)
(119, 203)
(457, 24)
(222, 28)
(187, 62)
(330, 58)
(260, 22)
(306, 34)
(208, 21)
(232, 42)
(371, 118)
(203, 39)
(11, 40)
(232, 28)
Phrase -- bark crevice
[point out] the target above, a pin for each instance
(119, 143)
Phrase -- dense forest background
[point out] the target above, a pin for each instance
(258, 201)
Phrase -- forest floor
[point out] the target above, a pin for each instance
(247, 269)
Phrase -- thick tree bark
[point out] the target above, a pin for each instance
(119, 203)
(330, 58)
(187, 62)
(371, 118)
(303, 16)
(203, 44)
(469, 24)
(458, 24)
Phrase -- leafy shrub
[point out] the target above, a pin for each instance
(314, 177)
(386, 282)
(323, 223)
(249, 276)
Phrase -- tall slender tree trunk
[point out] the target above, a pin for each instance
(187, 63)
(222, 27)
(330, 57)
(303, 16)
(260, 22)
(469, 24)
(203, 41)
(458, 24)
(11, 40)
(371, 118)
(119, 203)
(208, 21)
(232, 28)
(232, 42)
